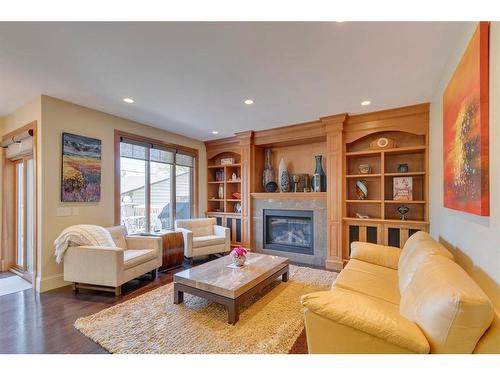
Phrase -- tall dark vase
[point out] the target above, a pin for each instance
(318, 181)
(268, 173)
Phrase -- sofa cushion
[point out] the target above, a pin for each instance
(372, 316)
(203, 241)
(418, 247)
(370, 279)
(132, 258)
(199, 227)
(387, 256)
(118, 235)
(448, 306)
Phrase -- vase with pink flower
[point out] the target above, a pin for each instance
(238, 255)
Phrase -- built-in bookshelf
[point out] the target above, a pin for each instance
(224, 197)
(380, 203)
(375, 217)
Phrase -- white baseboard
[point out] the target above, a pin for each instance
(45, 284)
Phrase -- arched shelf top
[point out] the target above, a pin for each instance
(227, 153)
(214, 156)
(401, 138)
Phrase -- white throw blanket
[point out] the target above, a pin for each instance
(82, 235)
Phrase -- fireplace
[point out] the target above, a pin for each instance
(289, 230)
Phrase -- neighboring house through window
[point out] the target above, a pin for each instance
(156, 185)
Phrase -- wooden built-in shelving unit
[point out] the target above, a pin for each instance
(344, 142)
(223, 209)
(409, 129)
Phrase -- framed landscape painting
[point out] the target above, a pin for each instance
(81, 169)
(465, 126)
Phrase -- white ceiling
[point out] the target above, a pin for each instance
(192, 78)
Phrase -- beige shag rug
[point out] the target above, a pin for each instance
(151, 323)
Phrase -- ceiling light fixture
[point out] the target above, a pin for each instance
(129, 100)
(366, 102)
(248, 101)
(215, 132)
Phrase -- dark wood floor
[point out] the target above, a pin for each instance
(43, 323)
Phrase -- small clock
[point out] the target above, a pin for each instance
(382, 143)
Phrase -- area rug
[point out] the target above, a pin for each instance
(13, 284)
(151, 323)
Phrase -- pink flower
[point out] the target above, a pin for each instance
(239, 251)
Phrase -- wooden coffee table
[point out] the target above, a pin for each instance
(230, 287)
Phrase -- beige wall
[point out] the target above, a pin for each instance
(475, 240)
(22, 116)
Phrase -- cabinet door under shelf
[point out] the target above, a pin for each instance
(397, 234)
(363, 232)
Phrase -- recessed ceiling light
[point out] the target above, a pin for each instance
(128, 100)
(215, 132)
(366, 102)
(248, 101)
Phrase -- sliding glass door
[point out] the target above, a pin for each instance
(25, 217)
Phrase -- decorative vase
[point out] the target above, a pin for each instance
(268, 173)
(362, 189)
(284, 179)
(221, 191)
(403, 168)
(271, 187)
(403, 210)
(239, 261)
(318, 181)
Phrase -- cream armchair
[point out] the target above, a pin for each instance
(108, 268)
(203, 237)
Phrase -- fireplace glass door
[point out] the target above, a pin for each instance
(289, 230)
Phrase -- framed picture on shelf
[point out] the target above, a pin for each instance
(219, 175)
(402, 188)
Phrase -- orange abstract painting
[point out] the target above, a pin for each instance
(465, 124)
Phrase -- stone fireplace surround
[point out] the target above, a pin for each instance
(317, 205)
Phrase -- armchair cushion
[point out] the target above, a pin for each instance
(369, 315)
(387, 256)
(132, 258)
(199, 227)
(203, 241)
(118, 234)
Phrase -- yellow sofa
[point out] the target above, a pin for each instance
(414, 300)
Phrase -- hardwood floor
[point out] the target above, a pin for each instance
(43, 323)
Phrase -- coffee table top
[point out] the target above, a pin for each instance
(216, 277)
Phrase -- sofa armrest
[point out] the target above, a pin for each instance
(146, 242)
(188, 241)
(93, 265)
(386, 256)
(376, 318)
